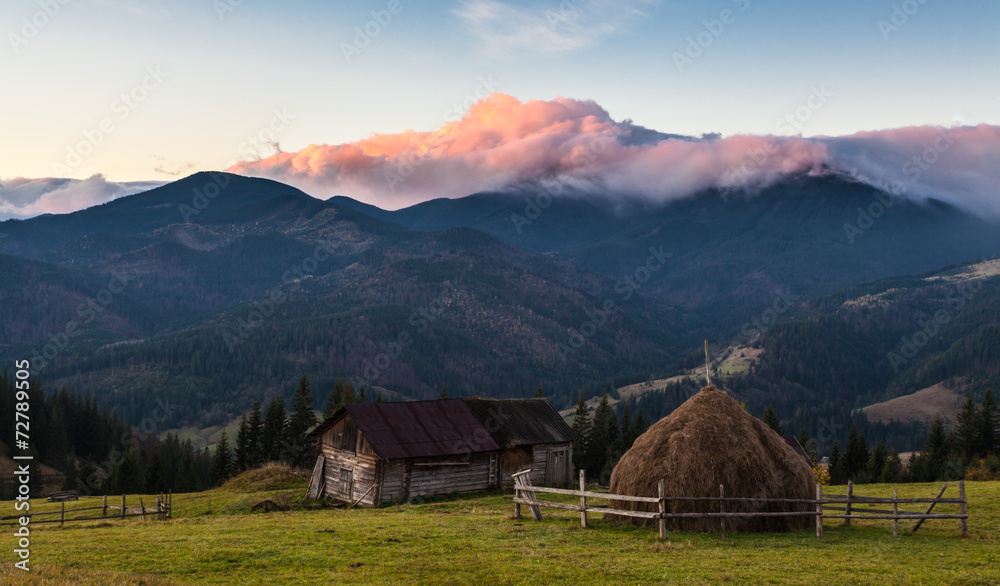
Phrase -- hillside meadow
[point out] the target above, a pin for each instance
(215, 538)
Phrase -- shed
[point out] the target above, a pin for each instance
(375, 453)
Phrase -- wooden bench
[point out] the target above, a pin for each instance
(65, 495)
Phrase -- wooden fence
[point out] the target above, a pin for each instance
(855, 507)
(161, 511)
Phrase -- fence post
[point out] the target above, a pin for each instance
(142, 509)
(583, 499)
(847, 509)
(104, 511)
(722, 509)
(123, 506)
(895, 515)
(663, 511)
(62, 514)
(819, 510)
(962, 508)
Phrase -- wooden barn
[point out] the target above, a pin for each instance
(374, 453)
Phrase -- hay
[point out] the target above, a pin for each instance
(516, 459)
(708, 441)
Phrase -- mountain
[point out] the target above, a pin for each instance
(208, 302)
(175, 305)
(730, 252)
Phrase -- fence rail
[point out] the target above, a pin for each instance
(525, 494)
(161, 511)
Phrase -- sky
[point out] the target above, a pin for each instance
(153, 90)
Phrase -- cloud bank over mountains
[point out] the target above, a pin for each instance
(26, 198)
(568, 145)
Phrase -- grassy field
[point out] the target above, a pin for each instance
(215, 539)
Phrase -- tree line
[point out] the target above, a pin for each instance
(601, 440)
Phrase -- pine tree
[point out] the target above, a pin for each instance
(361, 395)
(336, 398)
(70, 470)
(808, 445)
(582, 429)
(154, 473)
(187, 479)
(222, 462)
(302, 419)
(129, 477)
(989, 425)
(539, 392)
(836, 464)
(877, 462)
(855, 454)
(378, 399)
(771, 419)
(605, 431)
(967, 430)
(444, 393)
(937, 449)
(274, 429)
(242, 452)
(255, 436)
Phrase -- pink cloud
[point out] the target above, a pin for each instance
(503, 143)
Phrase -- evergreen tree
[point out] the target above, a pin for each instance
(877, 463)
(129, 477)
(70, 470)
(808, 445)
(241, 461)
(255, 436)
(444, 393)
(350, 396)
(154, 473)
(187, 479)
(605, 431)
(302, 419)
(335, 400)
(967, 430)
(855, 454)
(771, 419)
(222, 462)
(274, 429)
(582, 429)
(539, 392)
(378, 399)
(361, 395)
(836, 464)
(989, 425)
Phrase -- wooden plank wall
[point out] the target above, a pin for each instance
(431, 480)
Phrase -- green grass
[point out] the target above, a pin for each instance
(215, 539)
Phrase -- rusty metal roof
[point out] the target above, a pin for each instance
(520, 422)
(417, 428)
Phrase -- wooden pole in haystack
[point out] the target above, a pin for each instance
(708, 365)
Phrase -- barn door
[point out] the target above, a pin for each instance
(555, 469)
(347, 483)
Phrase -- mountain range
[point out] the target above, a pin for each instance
(217, 289)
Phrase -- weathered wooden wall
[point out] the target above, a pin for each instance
(351, 465)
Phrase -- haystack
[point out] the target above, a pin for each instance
(708, 441)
